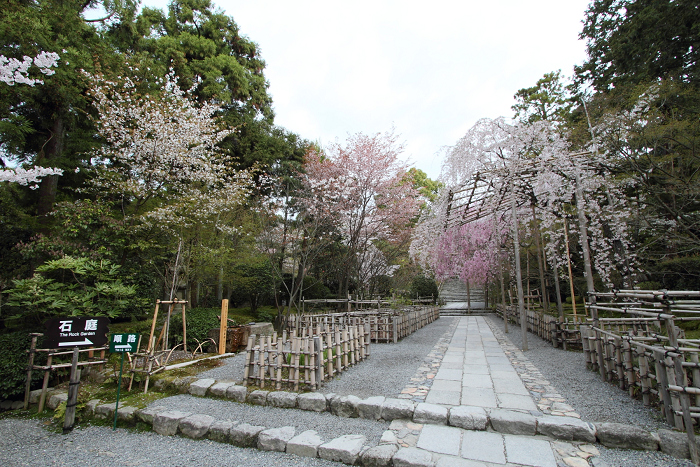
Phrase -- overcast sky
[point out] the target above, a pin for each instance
(429, 69)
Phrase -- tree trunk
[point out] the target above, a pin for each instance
(48, 187)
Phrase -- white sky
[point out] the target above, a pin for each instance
(430, 69)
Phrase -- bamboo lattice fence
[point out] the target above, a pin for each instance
(563, 333)
(385, 325)
(306, 359)
(645, 353)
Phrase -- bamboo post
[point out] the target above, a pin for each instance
(223, 327)
(153, 328)
(662, 385)
(249, 360)
(318, 351)
(330, 356)
(280, 362)
(295, 362)
(629, 368)
(261, 361)
(683, 396)
(184, 328)
(645, 380)
(518, 272)
(45, 384)
(30, 367)
(72, 401)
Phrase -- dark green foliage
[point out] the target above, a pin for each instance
(638, 41)
(13, 365)
(69, 287)
(678, 274)
(199, 322)
(423, 286)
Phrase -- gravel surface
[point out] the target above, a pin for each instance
(594, 399)
(27, 443)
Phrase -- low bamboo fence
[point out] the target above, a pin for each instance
(560, 332)
(385, 325)
(643, 351)
(306, 359)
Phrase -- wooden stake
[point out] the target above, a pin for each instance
(223, 327)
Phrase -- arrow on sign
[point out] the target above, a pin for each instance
(73, 344)
(125, 346)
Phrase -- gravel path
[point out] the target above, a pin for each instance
(27, 443)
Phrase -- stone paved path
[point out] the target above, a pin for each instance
(476, 370)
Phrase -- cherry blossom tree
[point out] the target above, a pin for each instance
(161, 165)
(370, 192)
(533, 164)
(13, 71)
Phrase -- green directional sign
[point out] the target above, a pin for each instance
(123, 342)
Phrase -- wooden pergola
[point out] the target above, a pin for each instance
(494, 190)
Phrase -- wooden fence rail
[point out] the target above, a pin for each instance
(306, 359)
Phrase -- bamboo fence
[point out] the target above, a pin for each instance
(305, 359)
(643, 351)
(564, 333)
(385, 325)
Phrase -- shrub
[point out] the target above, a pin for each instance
(423, 286)
(199, 322)
(13, 365)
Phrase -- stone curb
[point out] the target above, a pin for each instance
(557, 427)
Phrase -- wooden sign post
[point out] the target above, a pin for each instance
(224, 326)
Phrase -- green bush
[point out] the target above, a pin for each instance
(423, 286)
(13, 365)
(199, 322)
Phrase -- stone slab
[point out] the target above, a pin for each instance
(567, 428)
(397, 409)
(220, 389)
(618, 435)
(237, 393)
(524, 450)
(220, 431)
(430, 413)
(483, 446)
(282, 399)
(371, 408)
(345, 449)
(196, 426)
(258, 397)
(312, 401)
(440, 439)
(468, 417)
(275, 439)
(512, 422)
(167, 422)
(201, 386)
(305, 444)
(484, 397)
(379, 456)
(245, 435)
(412, 457)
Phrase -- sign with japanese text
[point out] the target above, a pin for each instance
(76, 332)
(123, 342)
